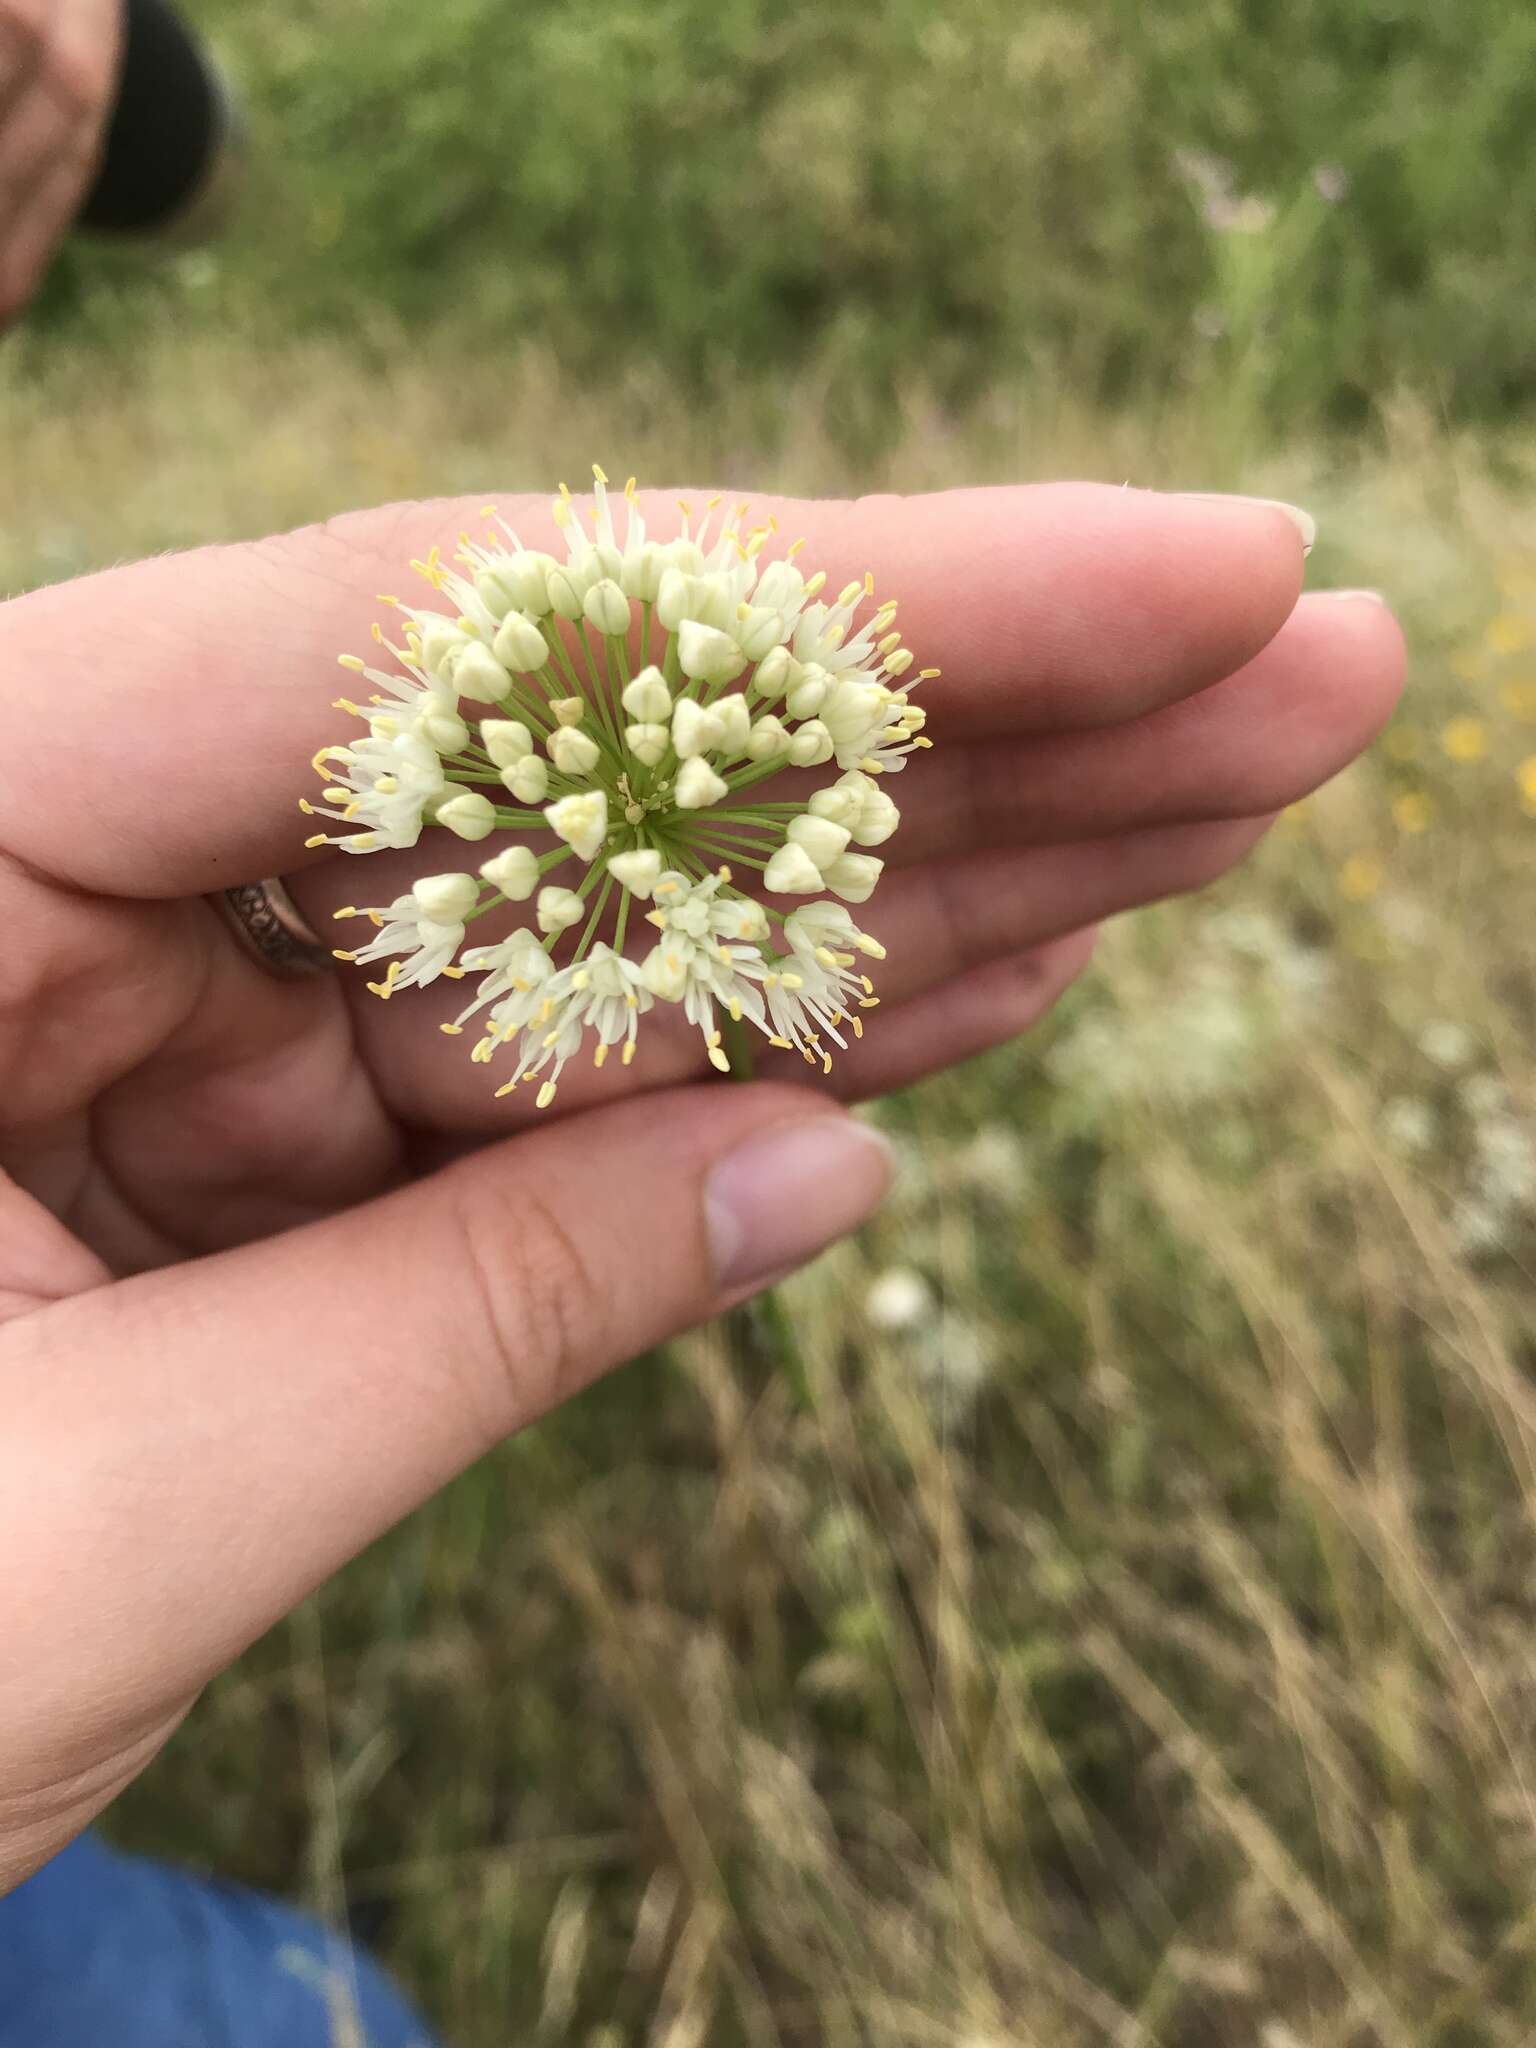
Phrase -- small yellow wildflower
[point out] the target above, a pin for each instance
(1413, 811)
(1360, 877)
(1465, 739)
(1509, 633)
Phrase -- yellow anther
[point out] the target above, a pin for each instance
(783, 1044)
(850, 593)
(451, 1030)
(306, 807)
(377, 631)
(546, 1095)
(455, 973)
(386, 597)
(599, 1055)
(487, 511)
(718, 1060)
(346, 704)
(354, 662)
(506, 1088)
(816, 584)
(628, 1054)
(629, 487)
(374, 917)
(347, 910)
(341, 953)
(597, 473)
(736, 1009)
(320, 839)
(858, 1026)
(826, 1063)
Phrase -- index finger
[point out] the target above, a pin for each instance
(197, 686)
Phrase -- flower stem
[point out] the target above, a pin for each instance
(761, 1329)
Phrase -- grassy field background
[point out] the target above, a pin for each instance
(1129, 1638)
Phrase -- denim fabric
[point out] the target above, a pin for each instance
(101, 1950)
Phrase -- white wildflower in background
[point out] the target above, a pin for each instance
(676, 732)
(898, 1299)
(1446, 1045)
(1408, 1125)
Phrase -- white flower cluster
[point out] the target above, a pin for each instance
(643, 710)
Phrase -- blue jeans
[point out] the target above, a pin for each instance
(101, 1950)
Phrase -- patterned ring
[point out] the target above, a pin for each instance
(272, 930)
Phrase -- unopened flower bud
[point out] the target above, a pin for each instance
(877, 820)
(520, 645)
(569, 710)
(469, 814)
(606, 608)
(514, 872)
(808, 696)
(443, 730)
(647, 697)
(853, 876)
(528, 780)
(766, 740)
(478, 675)
(441, 644)
(506, 740)
(792, 872)
(698, 785)
(581, 821)
(446, 899)
(648, 743)
(774, 674)
(820, 838)
(525, 578)
(760, 630)
(638, 870)
(811, 745)
(572, 752)
(708, 655)
(640, 573)
(730, 713)
(559, 909)
(694, 730)
(564, 597)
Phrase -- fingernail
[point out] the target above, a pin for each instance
(781, 1197)
(1303, 522)
(1353, 596)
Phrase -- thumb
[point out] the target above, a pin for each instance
(188, 1453)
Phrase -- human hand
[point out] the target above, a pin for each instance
(58, 59)
(351, 1270)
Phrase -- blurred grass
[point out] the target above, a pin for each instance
(1133, 1644)
(1198, 195)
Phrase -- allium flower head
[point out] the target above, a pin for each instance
(664, 739)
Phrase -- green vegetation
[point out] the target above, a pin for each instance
(1133, 1647)
(732, 188)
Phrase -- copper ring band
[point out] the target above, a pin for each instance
(272, 930)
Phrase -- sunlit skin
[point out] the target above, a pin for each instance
(1132, 687)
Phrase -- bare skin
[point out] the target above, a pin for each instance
(58, 60)
(274, 1261)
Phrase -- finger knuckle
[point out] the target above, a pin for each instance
(541, 1317)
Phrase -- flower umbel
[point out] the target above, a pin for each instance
(646, 719)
